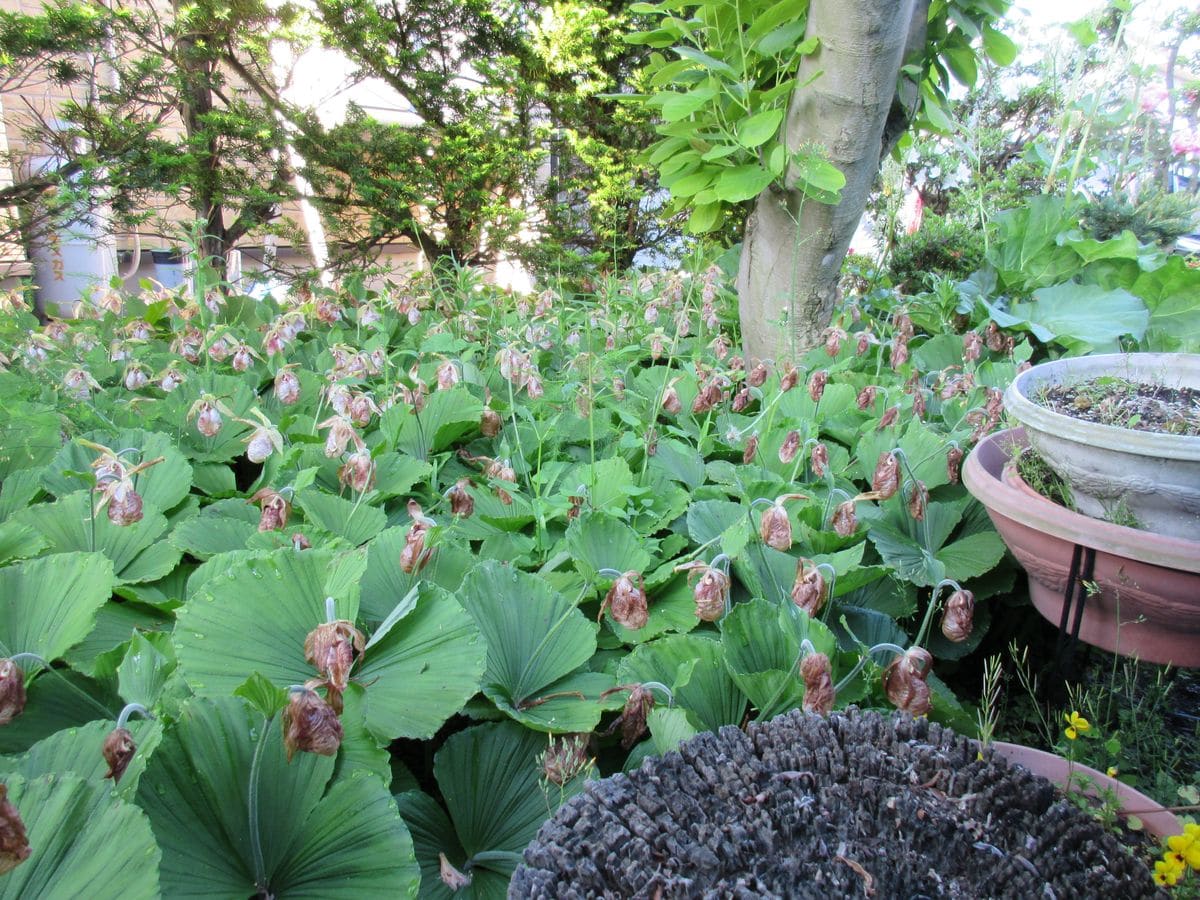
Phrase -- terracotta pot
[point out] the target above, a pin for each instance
(1157, 820)
(1148, 600)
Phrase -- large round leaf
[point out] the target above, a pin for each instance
(693, 667)
(496, 800)
(48, 605)
(306, 841)
(83, 843)
(384, 583)
(537, 640)
(255, 615)
(57, 700)
(162, 485)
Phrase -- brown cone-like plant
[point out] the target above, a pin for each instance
(954, 458)
(118, 750)
(461, 502)
(845, 519)
(274, 510)
(751, 450)
(816, 384)
(904, 681)
(775, 528)
(886, 479)
(818, 684)
(994, 338)
(790, 447)
(918, 500)
(809, 591)
(959, 615)
(331, 648)
(12, 691)
(626, 600)
(414, 555)
(310, 725)
(14, 844)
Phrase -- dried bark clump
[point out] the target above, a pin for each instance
(806, 806)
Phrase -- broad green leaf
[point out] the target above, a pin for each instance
(759, 128)
(571, 705)
(356, 522)
(19, 541)
(676, 105)
(906, 556)
(19, 490)
(147, 665)
(205, 536)
(83, 842)
(972, 556)
(608, 484)
(694, 668)
(384, 583)
(669, 728)
(742, 182)
(361, 751)
(598, 541)
(999, 47)
(230, 441)
(48, 605)
(1086, 318)
(30, 435)
(424, 669)
(446, 417)
(817, 175)
(304, 841)
(115, 624)
(255, 616)
(162, 485)
(57, 700)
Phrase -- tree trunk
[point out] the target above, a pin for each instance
(794, 246)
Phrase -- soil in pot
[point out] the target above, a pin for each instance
(1110, 400)
(850, 805)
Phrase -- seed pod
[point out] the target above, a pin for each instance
(959, 615)
(809, 591)
(670, 401)
(331, 648)
(889, 417)
(461, 502)
(954, 458)
(751, 450)
(12, 691)
(789, 379)
(845, 519)
(904, 681)
(866, 397)
(757, 376)
(451, 877)
(899, 354)
(310, 725)
(565, 757)
(208, 420)
(118, 750)
(14, 844)
(124, 504)
(818, 684)
(489, 422)
(633, 716)
(790, 447)
(627, 601)
(287, 387)
(818, 458)
(775, 528)
(816, 384)
(972, 346)
(358, 471)
(741, 400)
(414, 555)
(918, 500)
(886, 480)
(274, 510)
(833, 340)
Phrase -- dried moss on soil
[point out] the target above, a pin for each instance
(1126, 404)
(851, 805)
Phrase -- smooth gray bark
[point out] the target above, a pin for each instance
(794, 246)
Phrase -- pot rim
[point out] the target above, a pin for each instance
(982, 475)
(1018, 402)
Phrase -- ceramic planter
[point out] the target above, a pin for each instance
(1156, 477)
(1147, 602)
(1067, 775)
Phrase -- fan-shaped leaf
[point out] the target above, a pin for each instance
(356, 522)
(599, 541)
(694, 668)
(384, 583)
(162, 485)
(48, 605)
(205, 536)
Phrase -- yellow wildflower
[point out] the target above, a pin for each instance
(1167, 871)
(1112, 772)
(1186, 846)
(1076, 725)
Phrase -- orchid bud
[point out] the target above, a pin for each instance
(310, 725)
(904, 681)
(12, 691)
(741, 400)
(208, 420)
(461, 502)
(327, 311)
(958, 618)
(414, 555)
(670, 400)
(627, 602)
(751, 450)
(124, 504)
(274, 510)
(954, 458)
(886, 479)
(818, 458)
(341, 433)
(972, 346)
(918, 500)
(361, 408)
(618, 388)
(866, 397)
(865, 339)
(14, 844)
(171, 379)
(899, 354)
(136, 378)
(339, 397)
(757, 376)
(889, 417)
(818, 684)
(904, 324)
(833, 340)
(260, 443)
(331, 648)
(242, 359)
(790, 447)
(656, 347)
(711, 592)
(565, 757)
(447, 375)
(809, 591)
(358, 471)
(501, 470)
(287, 387)
(489, 422)
(816, 384)
(118, 750)
(218, 351)
(633, 716)
(708, 397)
(789, 379)
(775, 528)
(845, 519)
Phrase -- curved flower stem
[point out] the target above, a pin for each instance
(658, 685)
(78, 690)
(330, 609)
(862, 661)
(260, 874)
(830, 585)
(933, 604)
(903, 457)
(130, 709)
(829, 501)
